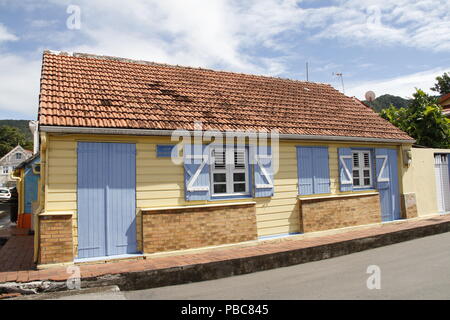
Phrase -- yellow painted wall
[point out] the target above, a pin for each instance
(420, 178)
(159, 182)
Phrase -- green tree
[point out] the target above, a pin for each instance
(423, 120)
(11, 137)
(443, 84)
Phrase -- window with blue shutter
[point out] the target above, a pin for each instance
(229, 171)
(313, 170)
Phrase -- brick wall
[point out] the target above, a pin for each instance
(332, 213)
(168, 230)
(409, 205)
(55, 239)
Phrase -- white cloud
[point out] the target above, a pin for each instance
(5, 35)
(212, 34)
(19, 85)
(403, 86)
(42, 23)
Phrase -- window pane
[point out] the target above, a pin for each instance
(356, 182)
(219, 158)
(220, 177)
(220, 188)
(355, 174)
(366, 173)
(366, 160)
(239, 187)
(239, 158)
(239, 177)
(356, 160)
(367, 181)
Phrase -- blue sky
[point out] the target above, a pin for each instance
(384, 46)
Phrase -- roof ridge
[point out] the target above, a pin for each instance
(145, 62)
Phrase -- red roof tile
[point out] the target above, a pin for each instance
(89, 91)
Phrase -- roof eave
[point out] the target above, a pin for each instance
(151, 132)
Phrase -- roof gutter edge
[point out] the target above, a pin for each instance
(151, 132)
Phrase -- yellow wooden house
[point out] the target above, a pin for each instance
(139, 158)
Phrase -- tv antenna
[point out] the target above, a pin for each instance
(307, 71)
(340, 75)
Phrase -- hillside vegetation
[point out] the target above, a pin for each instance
(12, 133)
(385, 101)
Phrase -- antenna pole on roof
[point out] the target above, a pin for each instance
(307, 71)
(340, 75)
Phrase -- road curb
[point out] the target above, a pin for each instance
(68, 293)
(221, 269)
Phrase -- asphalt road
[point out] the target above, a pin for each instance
(418, 269)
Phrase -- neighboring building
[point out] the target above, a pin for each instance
(112, 189)
(428, 178)
(28, 175)
(9, 162)
(444, 101)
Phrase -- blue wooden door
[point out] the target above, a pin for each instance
(31, 189)
(387, 183)
(106, 199)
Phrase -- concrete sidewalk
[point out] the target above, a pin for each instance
(161, 270)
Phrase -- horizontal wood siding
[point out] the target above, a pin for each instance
(159, 182)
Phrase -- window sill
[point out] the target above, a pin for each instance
(56, 213)
(230, 197)
(357, 189)
(332, 196)
(200, 206)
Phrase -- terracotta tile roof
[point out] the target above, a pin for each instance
(444, 98)
(89, 91)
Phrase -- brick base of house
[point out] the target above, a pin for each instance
(409, 205)
(186, 228)
(333, 213)
(55, 239)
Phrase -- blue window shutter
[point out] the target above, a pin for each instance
(262, 160)
(321, 171)
(196, 172)
(305, 170)
(345, 169)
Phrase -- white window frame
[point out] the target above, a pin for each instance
(360, 168)
(5, 170)
(229, 171)
(18, 156)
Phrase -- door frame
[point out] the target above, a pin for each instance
(106, 187)
(441, 199)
